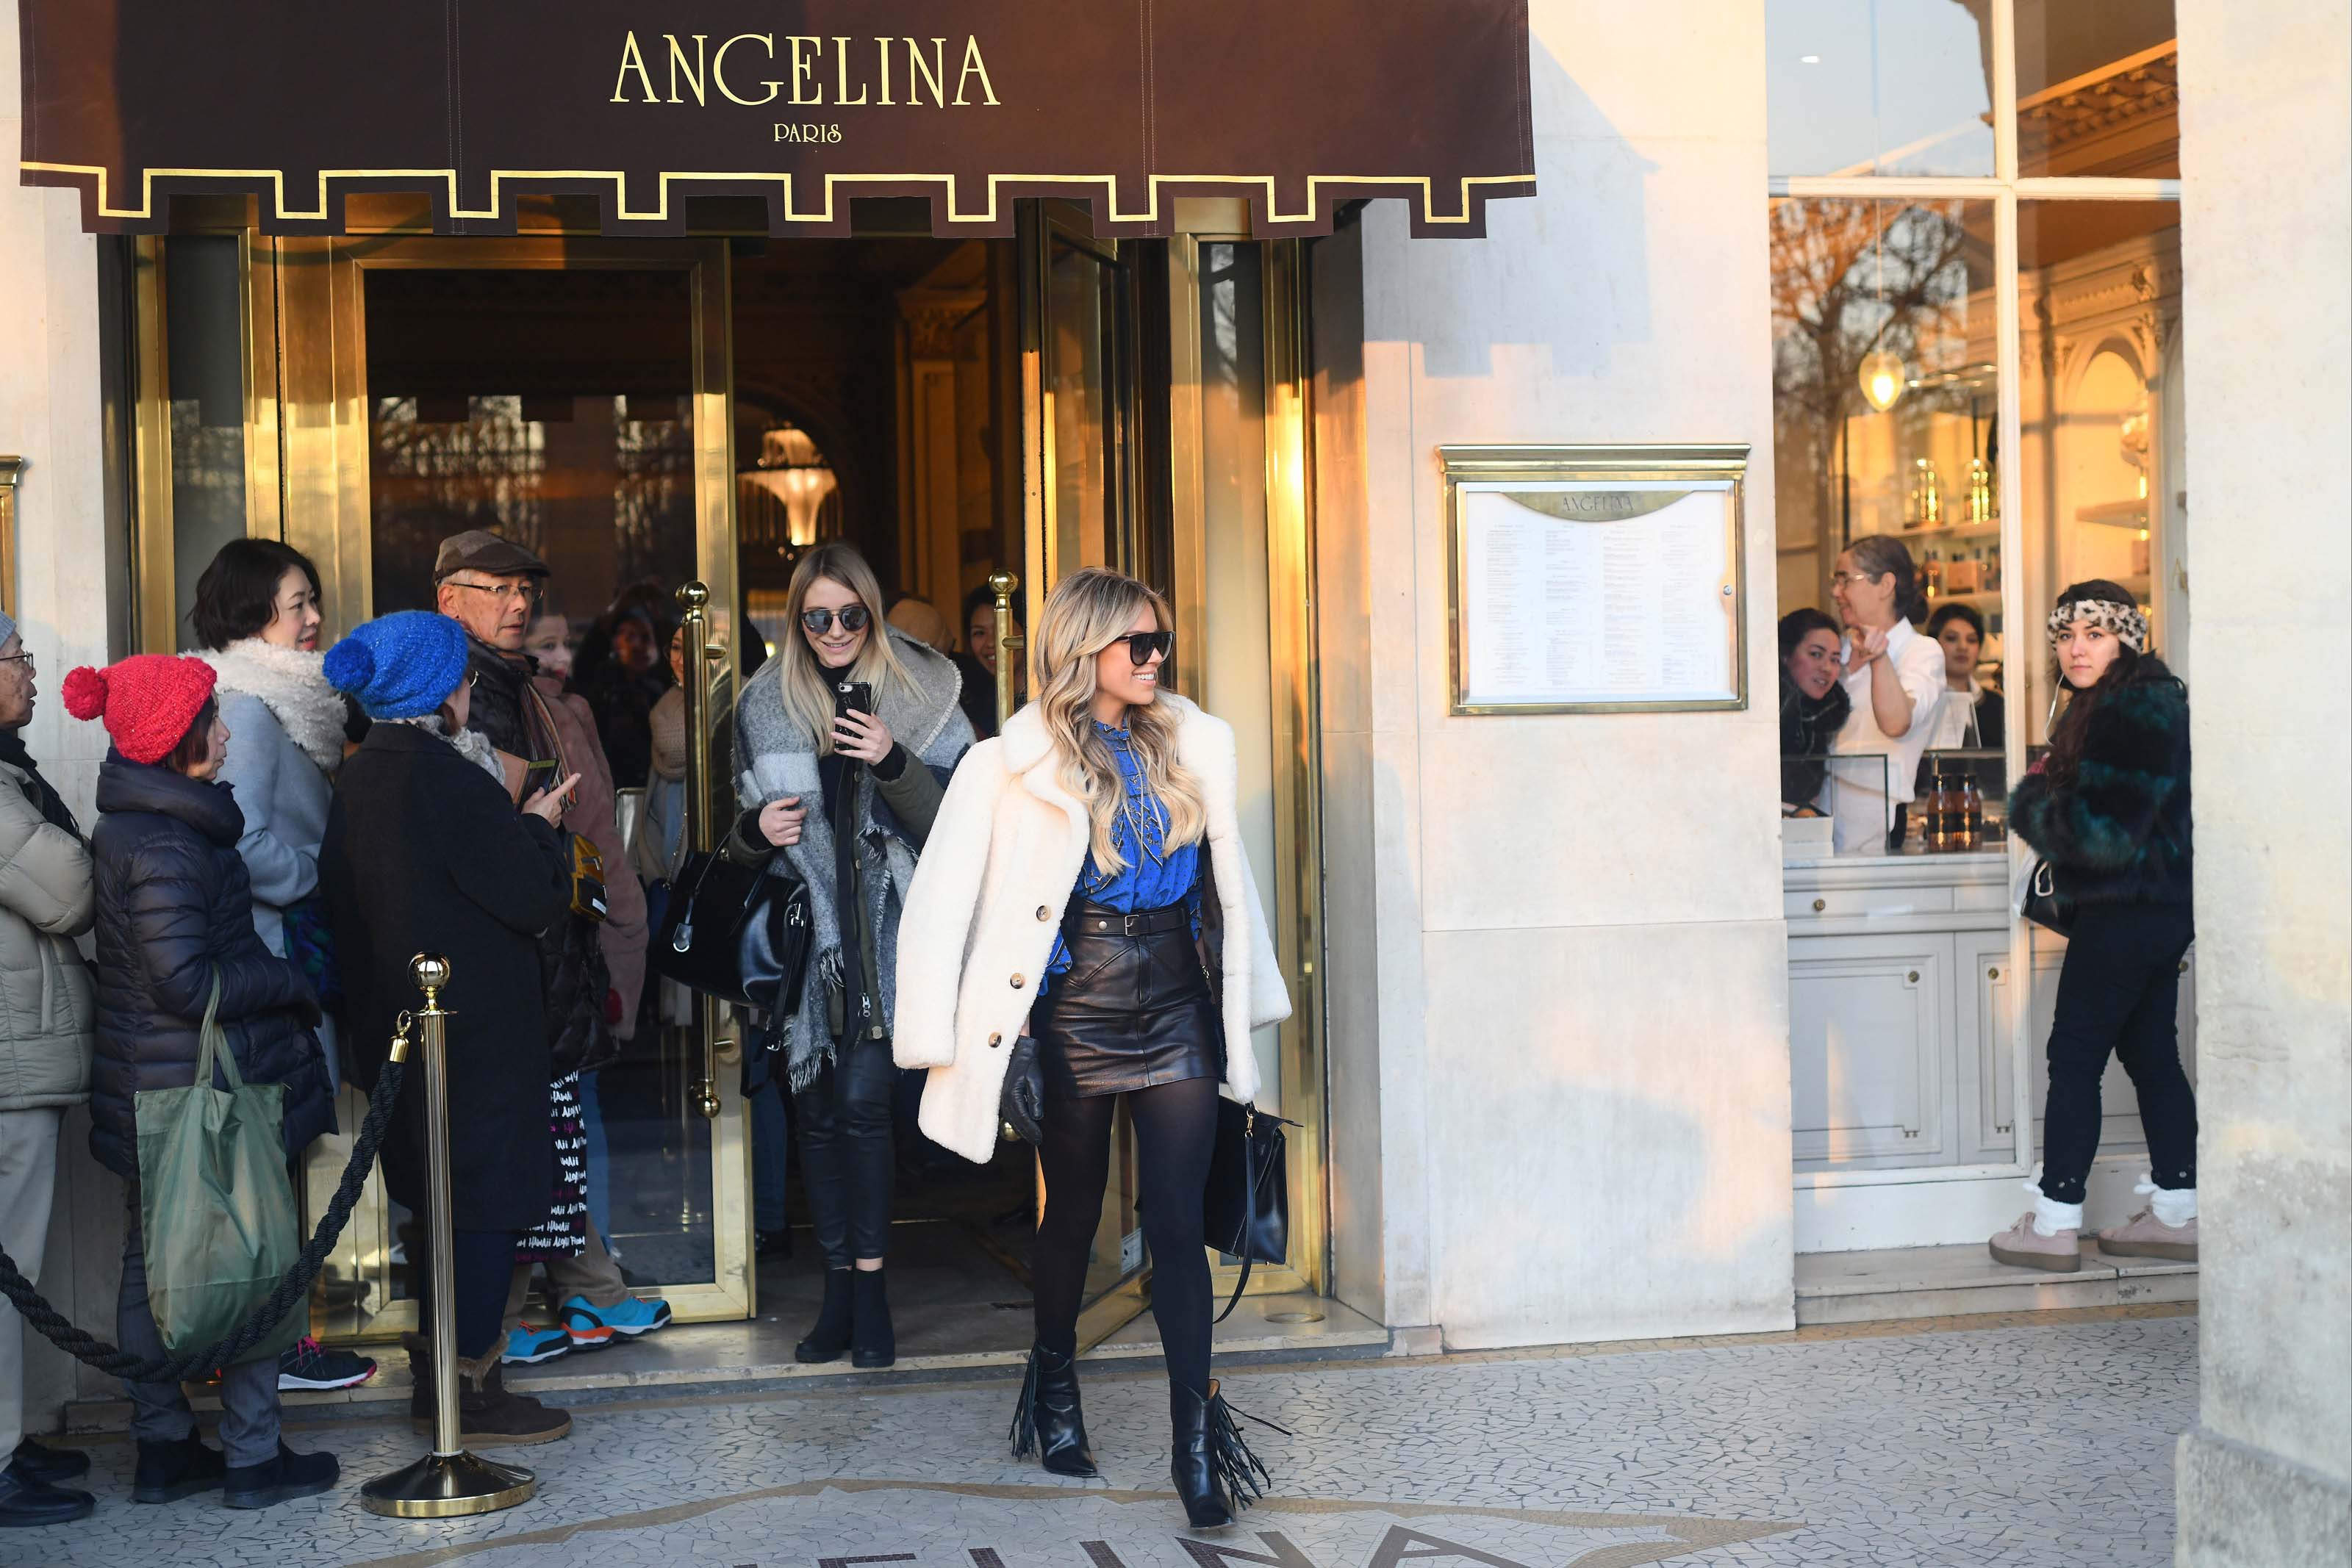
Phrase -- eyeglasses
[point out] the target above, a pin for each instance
(1848, 578)
(25, 658)
(1141, 645)
(526, 593)
(853, 618)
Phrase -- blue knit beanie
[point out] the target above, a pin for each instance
(400, 665)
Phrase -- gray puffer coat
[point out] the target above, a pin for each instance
(44, 991)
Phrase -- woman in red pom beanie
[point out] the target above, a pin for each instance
(175, 921)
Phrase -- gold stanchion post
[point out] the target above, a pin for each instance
(1009, 643)
(447, 1483)
(702, 835)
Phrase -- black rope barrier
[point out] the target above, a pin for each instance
(294, 1286)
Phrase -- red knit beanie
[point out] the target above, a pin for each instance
(149, 700)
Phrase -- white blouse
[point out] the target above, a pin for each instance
(1861, 801)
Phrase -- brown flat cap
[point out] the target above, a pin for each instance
(478, 549)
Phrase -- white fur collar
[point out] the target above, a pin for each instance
(292, 684)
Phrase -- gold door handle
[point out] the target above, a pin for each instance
(1820, 905)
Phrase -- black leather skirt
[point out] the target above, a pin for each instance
(1133, 1009)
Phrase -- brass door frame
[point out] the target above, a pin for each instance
(1297, 885)
(154, 629)
(321, 365)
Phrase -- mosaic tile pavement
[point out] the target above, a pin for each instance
(2025, 1447)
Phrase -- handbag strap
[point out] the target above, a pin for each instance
(1249, 1201)
(1249, 1209)
(211, 1043)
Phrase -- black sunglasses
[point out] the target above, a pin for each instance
(817, 623)
(1141, 645)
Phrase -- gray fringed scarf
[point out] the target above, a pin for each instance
(471, 744)
(777, 757)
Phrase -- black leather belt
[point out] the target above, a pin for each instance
(1093, 920)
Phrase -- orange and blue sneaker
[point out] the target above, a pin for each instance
(528, 1345)
(629, 1317)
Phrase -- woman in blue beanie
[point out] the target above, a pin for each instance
(424, 853)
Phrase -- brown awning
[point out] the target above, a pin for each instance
(1298, 105)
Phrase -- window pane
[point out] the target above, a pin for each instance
(2100, 460)
(1885, 404)
(1878, 86)
(2098, 89)
(204, 339)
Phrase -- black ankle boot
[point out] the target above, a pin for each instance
(1214, 1469)
(872, 1341)
(830, 1336)
(1047, 1420)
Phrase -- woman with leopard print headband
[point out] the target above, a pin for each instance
(2108, 810)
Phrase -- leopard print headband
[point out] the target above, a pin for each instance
(2126, 621)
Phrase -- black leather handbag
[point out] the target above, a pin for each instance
(738, 933)
(2041, 903)
(1246, 1209)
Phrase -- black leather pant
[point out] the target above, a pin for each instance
(846, 1155)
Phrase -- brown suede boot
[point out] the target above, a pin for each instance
(489, 1415)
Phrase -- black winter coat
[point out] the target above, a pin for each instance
(175, 905)
(425, 854)
(2119, 832)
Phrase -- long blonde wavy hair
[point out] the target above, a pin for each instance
(808, 685)
(1086, 613)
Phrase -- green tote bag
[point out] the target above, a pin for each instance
(216, 1201)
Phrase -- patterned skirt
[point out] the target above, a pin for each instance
(565, 1232)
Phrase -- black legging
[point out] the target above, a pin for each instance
(2119, 993)
(1176, 1131)
(483, 1268)
(845, 1153)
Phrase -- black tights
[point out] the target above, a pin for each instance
(1176, 1131)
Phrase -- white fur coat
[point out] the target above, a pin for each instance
(1002, 859)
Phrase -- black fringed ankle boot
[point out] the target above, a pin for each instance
(830, 1337)
(1047, 1421)
(873, 1342)
(1213, 1468)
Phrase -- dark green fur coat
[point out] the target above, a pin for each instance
(2119, 832)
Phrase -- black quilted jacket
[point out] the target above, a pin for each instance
(2119, 832)
(175, 904)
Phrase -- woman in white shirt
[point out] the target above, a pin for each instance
(1895, 678)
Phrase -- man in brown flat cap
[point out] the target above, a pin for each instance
(492, 586)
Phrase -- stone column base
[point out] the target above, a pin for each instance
(2243, 1506)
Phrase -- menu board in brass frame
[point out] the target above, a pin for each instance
(1596, 579)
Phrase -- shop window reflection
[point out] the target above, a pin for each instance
(1879, 86)
(2098, 89)
(2100, 460)
(205, 371)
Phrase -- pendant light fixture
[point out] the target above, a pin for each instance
(1881, 372)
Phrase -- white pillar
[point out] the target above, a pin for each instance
(2265, 1478)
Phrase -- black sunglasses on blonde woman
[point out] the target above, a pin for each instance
(820, 622)
(1141, 645)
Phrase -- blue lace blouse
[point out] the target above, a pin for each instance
(1154, 877)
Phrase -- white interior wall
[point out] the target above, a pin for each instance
(1582, 995)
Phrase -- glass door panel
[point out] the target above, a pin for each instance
(572, 396)
(1077, 337)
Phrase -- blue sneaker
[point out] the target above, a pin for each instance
(629, 1317)
(526, 1345)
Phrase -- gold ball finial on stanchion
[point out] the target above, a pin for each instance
(431, 973)
(694, 596)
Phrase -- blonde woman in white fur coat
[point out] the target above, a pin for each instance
(1085, 874)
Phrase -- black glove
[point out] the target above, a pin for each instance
(1021, 1106)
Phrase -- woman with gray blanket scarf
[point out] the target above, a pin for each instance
(847, 801)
